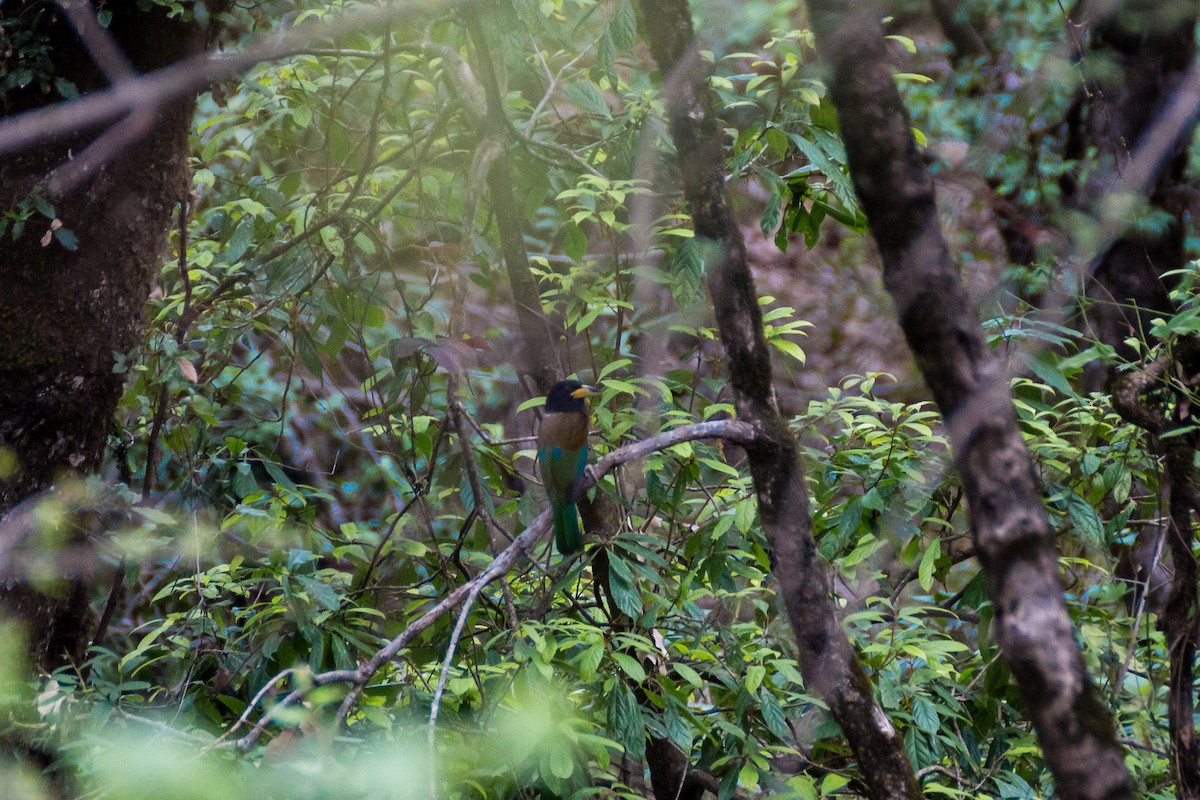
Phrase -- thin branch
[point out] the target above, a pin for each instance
(156, 89)
(733, 431)
(431, 735)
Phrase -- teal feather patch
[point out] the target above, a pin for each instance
(562, 467)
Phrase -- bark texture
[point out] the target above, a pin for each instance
(1013, 538)
(827, 661)
(64, 313)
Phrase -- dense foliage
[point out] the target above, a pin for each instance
(325, 433)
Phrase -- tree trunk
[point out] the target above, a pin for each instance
(1138, 54)
(827, 661)
(74, 295)
(1013, 537)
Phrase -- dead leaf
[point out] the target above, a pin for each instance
(189, 370)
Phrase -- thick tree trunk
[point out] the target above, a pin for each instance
(1013, 537)
(65, 312)
(827, 661)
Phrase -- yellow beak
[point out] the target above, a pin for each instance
(585, 391)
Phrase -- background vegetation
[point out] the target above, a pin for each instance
(326, 425)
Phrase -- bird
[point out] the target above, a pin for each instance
(562, 457)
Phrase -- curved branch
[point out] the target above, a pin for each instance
(730, 430)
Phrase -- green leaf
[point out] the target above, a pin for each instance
(333, 241)
(589, 662)
(744, 514)
(748, 774)
(770, 215)
(302, 115)
(1050, 373)
(239, 242)
(575, 242)
(243, 480)
(833, 782)
(561, 764)
(606, 58)
(625, 721)
(278, 475)
(625, 593)
(754, 677)
(587, 97)
(804, 787)
(687, 273)
(788, 347)
(321, 592)
(688, 674)
(1122, 486)
(1084, 517)
(850, 519)
(630, 666)
(306, 351)
(623, 27)
(66, 238)
(928, 562)
(44, 207)
(374, 317)
(772, 714)
(533, 402)
(925, 715)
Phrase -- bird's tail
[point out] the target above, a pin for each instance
(566, 529)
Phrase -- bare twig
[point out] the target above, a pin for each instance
(441, 684)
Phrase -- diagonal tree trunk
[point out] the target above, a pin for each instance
(827, 661)
(1012, 533)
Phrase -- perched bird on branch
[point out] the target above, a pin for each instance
(562, 457)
